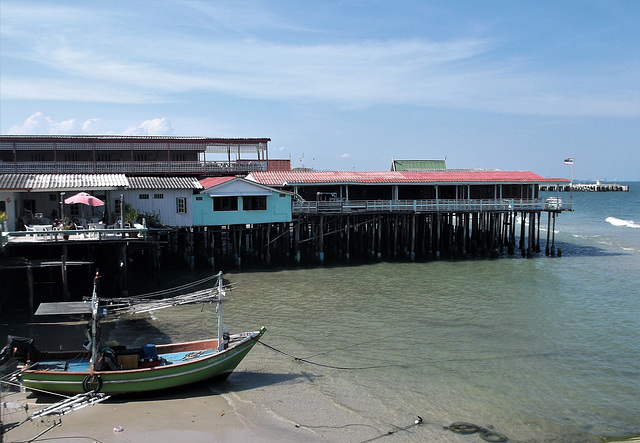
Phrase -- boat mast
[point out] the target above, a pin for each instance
(220, 293)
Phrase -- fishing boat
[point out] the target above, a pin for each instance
(114, 370)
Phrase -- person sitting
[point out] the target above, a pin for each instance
(107, 360)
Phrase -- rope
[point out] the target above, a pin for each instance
(304, 360)
(181, 288)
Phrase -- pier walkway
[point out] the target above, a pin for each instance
(587, 187)
(55, 235)
(552, 204)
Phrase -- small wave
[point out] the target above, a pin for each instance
(619, 222)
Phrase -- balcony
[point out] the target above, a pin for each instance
(134, 167)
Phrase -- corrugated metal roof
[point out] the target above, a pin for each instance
(418, 165)
(164, 183)
(288, 178)
(15, 182)
(40, 182)
(128, 138)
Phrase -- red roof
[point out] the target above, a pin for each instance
(210, 182)
(288, 178)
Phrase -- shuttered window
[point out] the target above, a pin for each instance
(181, 205)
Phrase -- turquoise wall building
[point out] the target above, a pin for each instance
(236, 201)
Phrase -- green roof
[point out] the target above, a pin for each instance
(418, 165)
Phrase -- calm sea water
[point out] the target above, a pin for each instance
(542, 349)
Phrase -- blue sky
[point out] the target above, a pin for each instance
(339, 85)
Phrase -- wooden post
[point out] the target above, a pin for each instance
(553, 236)
(395, 238)
(379, 229)
(268, 247)
(65, 282)
(321, 239)
(413, 237)
(30, 289)
(123, 270)
(546, 247)
(522, 232)
(296, 241)
(348, 241)
(538, 234)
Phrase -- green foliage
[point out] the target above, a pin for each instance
(130, 214)
(3, 217)
(151, 218)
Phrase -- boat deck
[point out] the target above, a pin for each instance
(83, 364)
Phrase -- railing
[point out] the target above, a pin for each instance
(136, 167)
(429, 206)
(56, 235)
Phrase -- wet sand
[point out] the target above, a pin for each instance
(194, 413)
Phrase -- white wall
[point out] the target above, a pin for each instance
(165, 207)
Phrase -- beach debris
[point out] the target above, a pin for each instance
(118, 429)
(484, 433)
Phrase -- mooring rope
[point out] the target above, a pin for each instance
(304, 360)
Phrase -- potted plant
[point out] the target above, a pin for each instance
(64, 225)
(130, 216)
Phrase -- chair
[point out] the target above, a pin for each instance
(30, 228)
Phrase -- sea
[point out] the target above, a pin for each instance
(541, 349)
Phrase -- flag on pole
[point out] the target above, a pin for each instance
(568, 161)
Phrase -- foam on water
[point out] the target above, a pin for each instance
(619, 222)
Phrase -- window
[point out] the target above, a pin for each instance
(143, 196)
(199, 199)
(158, 196)
(181, 205)
(225, 203)
(256, 203)
(140, 157)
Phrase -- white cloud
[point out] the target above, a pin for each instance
(156, 126)
(39, 124)
(345, 156)
(93, 126)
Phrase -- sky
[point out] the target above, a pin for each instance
(339, 85)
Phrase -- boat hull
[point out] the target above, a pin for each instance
(140, 380)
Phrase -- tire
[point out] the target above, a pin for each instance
(92, 382)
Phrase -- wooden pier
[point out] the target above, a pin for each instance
(320, 232)
(587, 187)
(341, 231)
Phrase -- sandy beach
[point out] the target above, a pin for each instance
(194, 413)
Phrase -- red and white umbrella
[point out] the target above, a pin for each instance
(84, 199)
